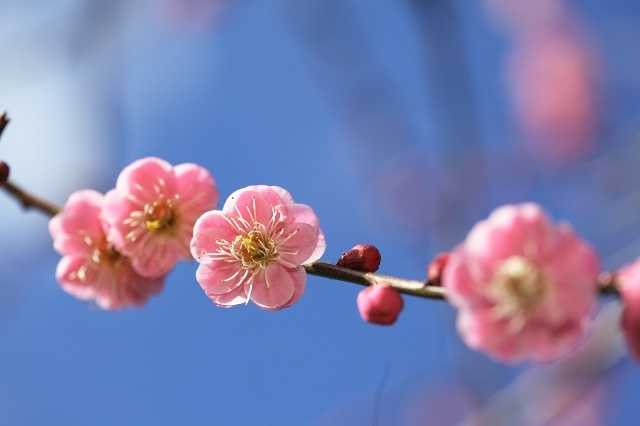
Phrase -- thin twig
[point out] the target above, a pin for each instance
(4, 120)
(411, 287)
(30, 201)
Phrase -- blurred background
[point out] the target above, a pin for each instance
(401, 122)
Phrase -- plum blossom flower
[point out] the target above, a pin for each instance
(91, 269)
(553, 80)
(152, 211)
(254, 247)
(628, 279)
(380, 304)
(524, 287)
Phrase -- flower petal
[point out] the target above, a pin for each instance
(196, 188)
(144, 180)
(318, 252)
(210, 228)
(76, 277)
(301, 213)
(299, 280)
(233, 298)
(156, 256)
(218, 278)
(277, 289)
(78, 226)
(274, 194)
(300, 243)
(120, 287)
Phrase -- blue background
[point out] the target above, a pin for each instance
(245, 95)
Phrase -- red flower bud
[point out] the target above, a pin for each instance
(362, 257)
(436, 268)
(4, 172)
(380, 304)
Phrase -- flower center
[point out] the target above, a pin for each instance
(106, 254)
(255, 249)
(159, 215)
(519, 287)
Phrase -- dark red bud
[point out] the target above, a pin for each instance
(4, 172)
(362, 257)
(436, 268)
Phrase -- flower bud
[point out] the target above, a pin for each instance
(436, 268)
(4, 172)
(380, 304)
(362, 257)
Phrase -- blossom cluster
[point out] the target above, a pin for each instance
(525, 287)
(117, 248)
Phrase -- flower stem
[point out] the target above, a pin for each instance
(411, 287)
(30, 201)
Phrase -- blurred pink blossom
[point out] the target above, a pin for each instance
(629, 284)
(380, 304)
(552, 77)
(525, 16)
(91, 268)
(254, 247)
(524, 287)
(196, 14)
(152, 211)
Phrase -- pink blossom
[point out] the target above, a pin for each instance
(91, 269)
(153, 209)
(553, 80)
(380, 304)
(628, 279)
(524, 287)
(254, 247)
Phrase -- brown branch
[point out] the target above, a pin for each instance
(427, 290)
(411, 287)
(30, 201)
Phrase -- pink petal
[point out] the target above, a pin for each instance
(301, 243)
(196, 188)
(253, 204)
(318, 252)
(273, 194)
(117, 209)
(211, 227)
(144, 180)
(120, 287)
(277, 289)
(78, 226)
(574, 271)
(301, 213)
(463, 289)
(481, 331)
(219, 277)
(233, 298)
(157, 258)
(513, 230)
(68, 276)
(299, 282)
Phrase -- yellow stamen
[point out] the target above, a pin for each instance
(159, 215)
